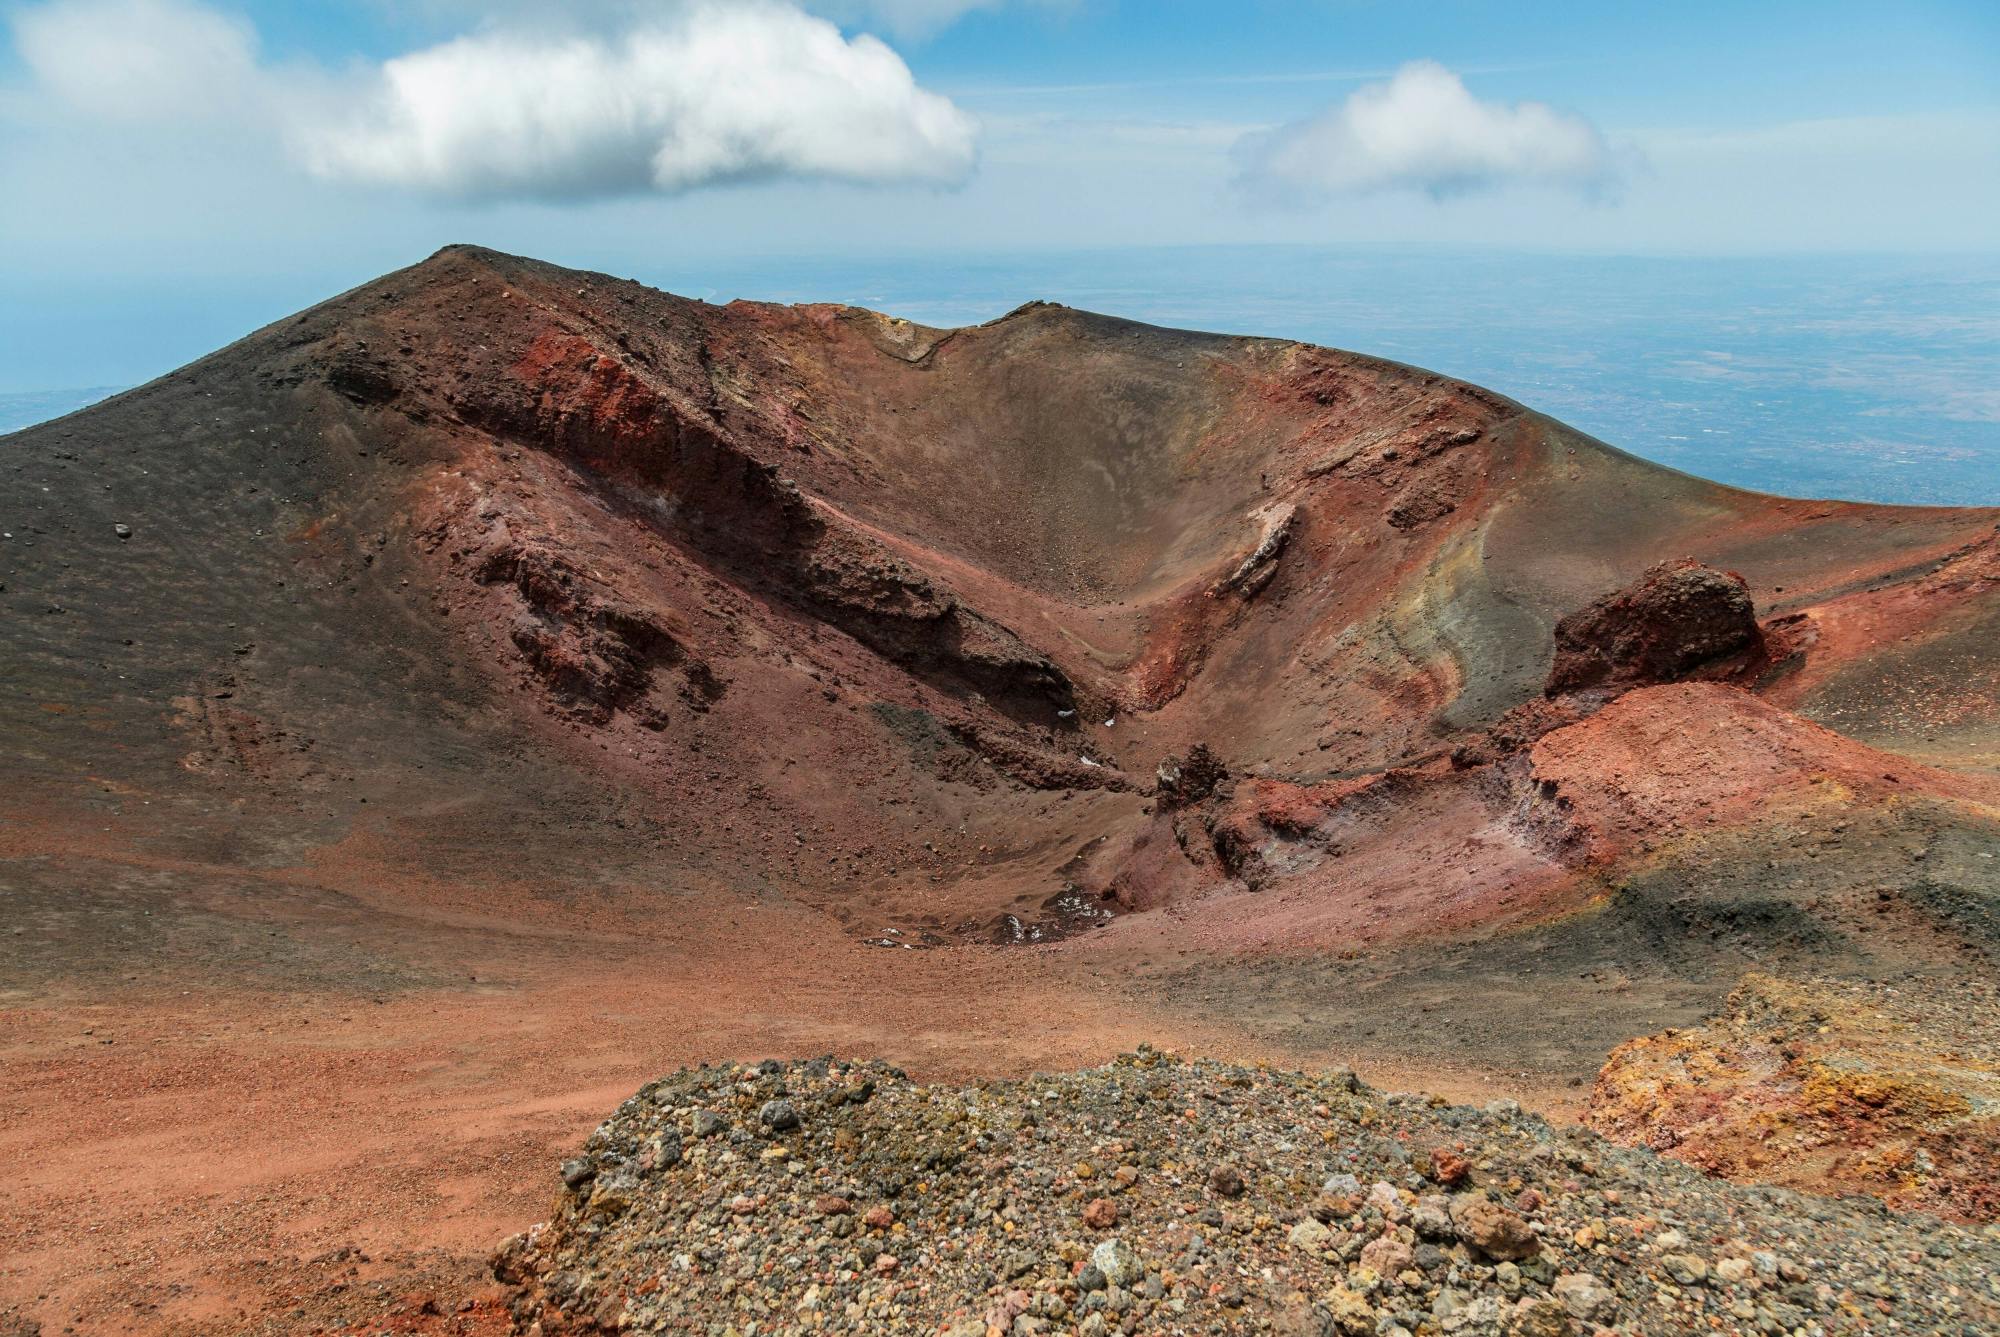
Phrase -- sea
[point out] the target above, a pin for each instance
(1873, 378)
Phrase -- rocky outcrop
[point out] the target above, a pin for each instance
(1677, 619)
(595, 654)
(1180, 781)
(663, 451)
(1255, 571)
(858, 585)
(1827, 1086)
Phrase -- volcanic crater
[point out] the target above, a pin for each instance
(450, 707)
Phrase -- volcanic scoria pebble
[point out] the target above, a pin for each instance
(1249, 1201)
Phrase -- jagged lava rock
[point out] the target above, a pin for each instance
(1673, 620)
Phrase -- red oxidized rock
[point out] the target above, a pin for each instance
(1674, 620)
(1492, 1229)
(1449, 1168)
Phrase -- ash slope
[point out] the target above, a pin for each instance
(620, 590)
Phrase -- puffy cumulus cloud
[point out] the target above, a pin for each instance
(138, 60)
(1424, 131)
(713, 94)
(680, 96)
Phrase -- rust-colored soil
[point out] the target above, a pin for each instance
(188, 1154)
(1824, 1084)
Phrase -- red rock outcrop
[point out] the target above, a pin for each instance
(1830, 1086)
(1677, 619)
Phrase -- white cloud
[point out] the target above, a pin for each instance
(1424, 131)
(715, 94)
(698, 94)
(138, 60)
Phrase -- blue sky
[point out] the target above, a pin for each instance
(1688, 64)
(170, 167)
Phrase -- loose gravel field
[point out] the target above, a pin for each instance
(1155, 1195)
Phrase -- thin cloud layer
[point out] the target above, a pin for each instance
(138, 61)
(917, 19)
(1424, 131)
(908, 19)
(719, 94)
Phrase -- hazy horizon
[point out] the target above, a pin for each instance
(1868, 378)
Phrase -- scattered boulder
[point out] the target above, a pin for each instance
(1585, 1297)
(1449, 1168)
(1386, 1256)
(1431, 1218)
(1309, 1236)
(1539, 1318)
(1118, 1262)
(1226, 1181)
(1348, 1314)
(1492, 1229)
